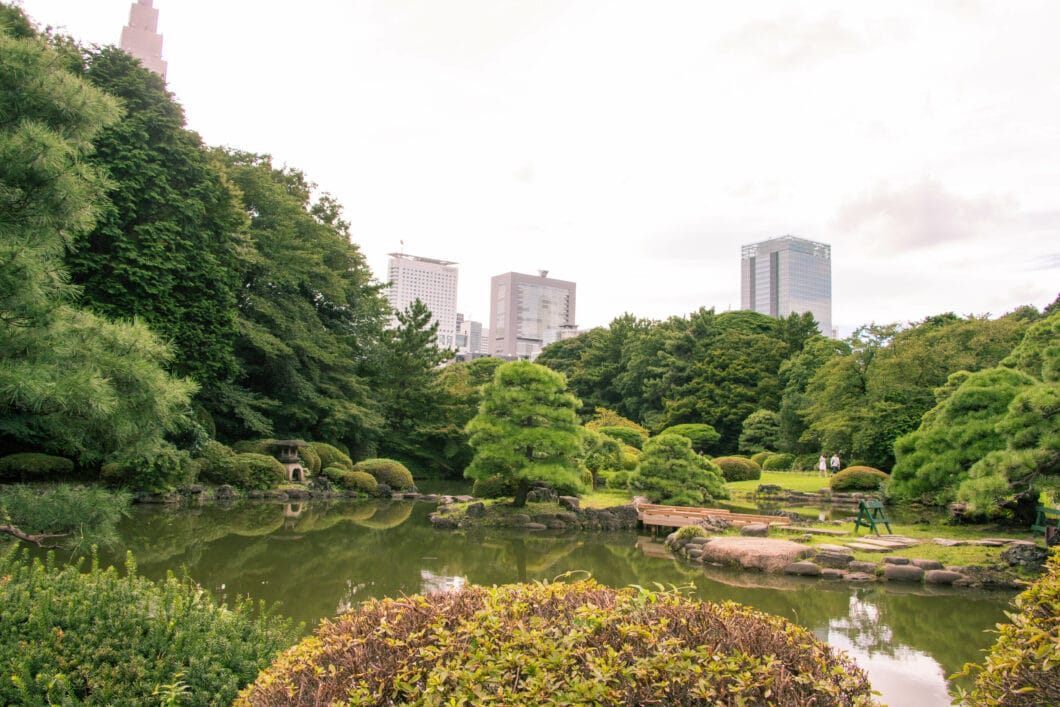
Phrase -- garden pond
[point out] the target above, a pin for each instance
(321, 557)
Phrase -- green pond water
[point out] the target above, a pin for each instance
(322, 557)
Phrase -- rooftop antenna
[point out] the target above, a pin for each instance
(402, 247)
(543, 273)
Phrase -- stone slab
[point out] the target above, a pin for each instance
(864, 547)
(903, 573)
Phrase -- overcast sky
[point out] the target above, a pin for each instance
(633, 147)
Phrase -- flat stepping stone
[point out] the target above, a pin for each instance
(868, 548)
(947, 542)
(825, 547)
(903, 573)
(882, 543)
(814, 531)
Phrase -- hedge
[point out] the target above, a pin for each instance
(331, 456)
(858, 478)
(577, 643)
(759, 458)
(353, 480)
(738, 468)
(259, 471)
(778, 462)
(31, 466)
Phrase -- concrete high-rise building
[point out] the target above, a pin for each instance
(785, 275)
(141, 38)
(529, 312)
(433, 282)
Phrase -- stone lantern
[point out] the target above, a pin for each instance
(286, 451)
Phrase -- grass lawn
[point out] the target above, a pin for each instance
(606, 498)
(808, 481)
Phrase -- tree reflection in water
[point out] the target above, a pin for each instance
(321, 558)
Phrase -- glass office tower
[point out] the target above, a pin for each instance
(785, 275)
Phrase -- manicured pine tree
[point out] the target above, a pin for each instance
(526, 431)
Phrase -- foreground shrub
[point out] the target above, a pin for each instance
(31, 466)
(70, 637)
(1021, 668)
(310, 459)
(778, 462)
(578, 643)
(80, 513)
(331, 456)
(259, 471)
(387, 471)
(738, 468)
(858, 478)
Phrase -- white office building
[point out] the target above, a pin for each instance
(433, 282)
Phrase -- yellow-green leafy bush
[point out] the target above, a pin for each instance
(310, 459)
(217, 464)
(738, 468)
(107, 638)
(858, 478)
(578, 643)
(30, 466)
(387, 471)
(1023, 667)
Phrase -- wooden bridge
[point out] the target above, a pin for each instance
(654, 516)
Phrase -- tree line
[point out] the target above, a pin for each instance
(157, 293)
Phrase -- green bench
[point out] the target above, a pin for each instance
(1047, 521)
(869, 514)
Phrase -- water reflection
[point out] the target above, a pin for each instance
(319, 559)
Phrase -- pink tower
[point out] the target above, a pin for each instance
(141, 38)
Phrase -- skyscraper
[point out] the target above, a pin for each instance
(433, 282)
(529, 312)
(141, 38)
(785, 275)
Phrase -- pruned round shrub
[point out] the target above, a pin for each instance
(259, 471)
(738, 468)
(858, 478)
(253, 446)
(217, 465)
(493, 487)
(759, 458)
(778, 462)
(626, 435)
(352, 480)
(310, 459)
(387, 471)
(578, 643)
(331, 456)
(1021, 667)
(105, 637)
(630, 457)
(31, 466)
(703, 437)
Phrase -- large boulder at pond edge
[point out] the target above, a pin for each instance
(764, 554)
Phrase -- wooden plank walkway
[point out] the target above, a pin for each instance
(655, 516)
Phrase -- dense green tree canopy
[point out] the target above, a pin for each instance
(164, 248)
(310, 316)
(761, 432)
(527, 430)
(71, 383)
